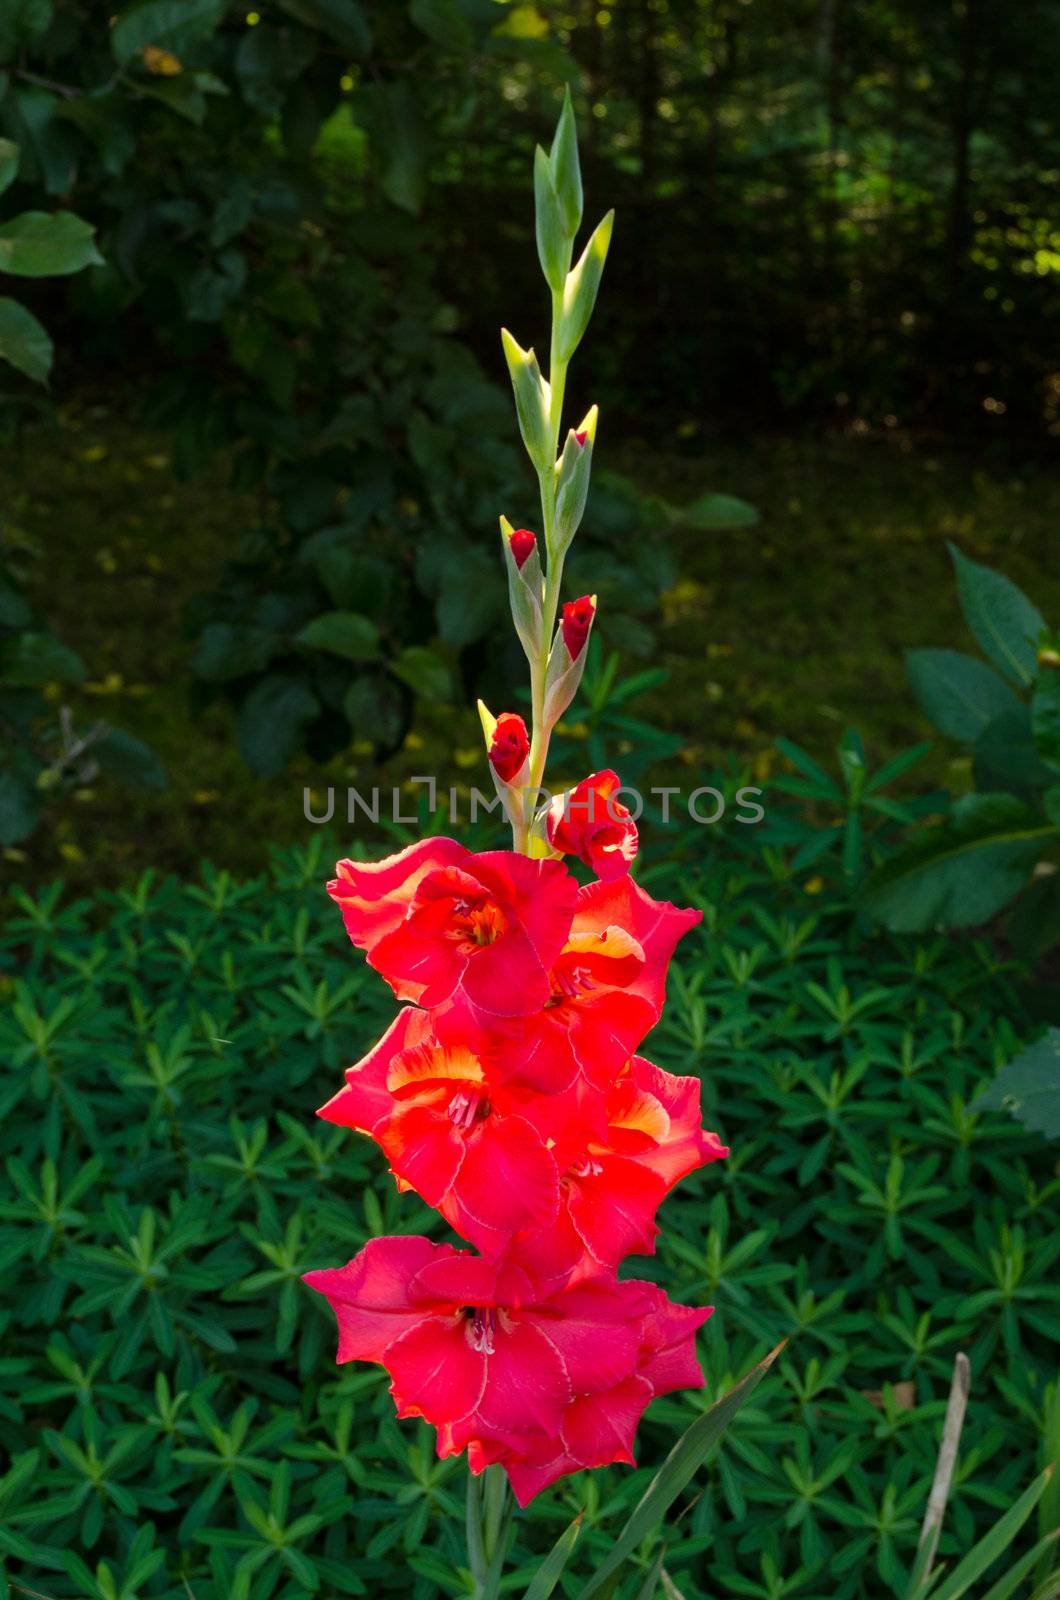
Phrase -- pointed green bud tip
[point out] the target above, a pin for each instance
(566, 171)
(488, 721)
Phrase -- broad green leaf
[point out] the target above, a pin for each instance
(1029, 1087)
(29, 659)
(271, 722)
(375, 708)
(997, 1541)
(9, 158)
(229, 650)
(174, 25)
(1005, 623)
(963, 872)
(676, 1472)
(958, 693)
(1045, 716)
(128, 759)
(22, 22)
(424, 671)
(341, 20)
(444, 21)
(23, 342)
(20, 807)
(716, 513)
(1005, 758)
(342, 633)
(39, 244)
(551, 1569)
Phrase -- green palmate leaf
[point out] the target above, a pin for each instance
(174, 25)
(23, 342)
(1029, 1087)
(959, 694)
(42, 245)
(1004, 622)
(342, 633)
(553, 241)
(9, 158)
(716, 513)
(582, 285)
(1045, 716)
(680, 1466)
(963, 872)
(988, 1550)
(34, 658)
(566, 169)
(551, 1569)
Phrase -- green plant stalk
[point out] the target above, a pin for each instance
(539, 737)
(489, 1519)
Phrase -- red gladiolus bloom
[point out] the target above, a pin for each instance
(607, 990)
(577, 620)
(437, 919)
(509, 746)
(544, 1384)
(588, 822)
(425, 1096)
(522, 544)
(613, 1186)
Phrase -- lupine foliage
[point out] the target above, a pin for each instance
(168, 1394)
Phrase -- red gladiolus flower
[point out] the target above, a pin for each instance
(509, 746)
(522, 544)
(544, 1384)
(425, 1096)
(437, 919)
(613, 1186)
(577, 620)
(607, 990)
(588, 822)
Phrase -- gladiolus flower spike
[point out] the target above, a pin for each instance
(508, 1093)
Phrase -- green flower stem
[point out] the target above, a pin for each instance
(539, 738)
(489, 1520)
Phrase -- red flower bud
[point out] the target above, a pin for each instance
(510, 746)
(582, 436)
(577, 620)
(522, 544)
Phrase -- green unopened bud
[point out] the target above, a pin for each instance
(573, 470)
(553, 241)
(566, 172)
(579, 294)
(525, 586)
(533, 400)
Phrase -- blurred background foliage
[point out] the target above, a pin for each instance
(266, 479)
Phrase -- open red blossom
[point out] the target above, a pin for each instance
(509, 746)
(577, 620)
(545, 1384)
(522, 544)
(437, 919)
(591, 823)
(424, 1095)
(607, 990)
(612, 1188)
